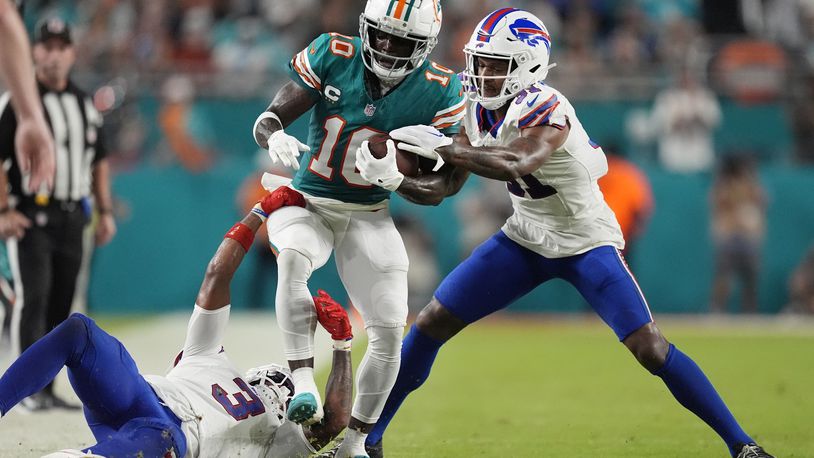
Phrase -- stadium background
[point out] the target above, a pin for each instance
(180, 84)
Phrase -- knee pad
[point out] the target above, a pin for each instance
(384, 344)
(293, 266)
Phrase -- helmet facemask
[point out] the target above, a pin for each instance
(388, 66)
(475, 83)
(273, 384)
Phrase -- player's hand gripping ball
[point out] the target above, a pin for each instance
(384, 171)
(406, 162)
(332, 316)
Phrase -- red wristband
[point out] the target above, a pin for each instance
(241, 234)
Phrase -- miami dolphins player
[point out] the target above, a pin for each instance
(357, 87)
(521, 131)
(204, 407)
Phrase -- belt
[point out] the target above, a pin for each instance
(64, 205)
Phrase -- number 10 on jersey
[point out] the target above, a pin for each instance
(321, 162)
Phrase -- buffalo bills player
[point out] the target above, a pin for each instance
(523, 132)
(203, 406)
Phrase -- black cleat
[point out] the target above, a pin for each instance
(375, 450)
(752, 451)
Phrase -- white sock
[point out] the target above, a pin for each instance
(304, 381)
(353, 444)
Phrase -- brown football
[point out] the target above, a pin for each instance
(407, 162)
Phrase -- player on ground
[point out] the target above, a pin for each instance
(203, 406)
(357, 86)
(519, 130)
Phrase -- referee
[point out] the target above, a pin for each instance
(43, 229)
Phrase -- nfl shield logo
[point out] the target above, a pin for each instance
(370, 109)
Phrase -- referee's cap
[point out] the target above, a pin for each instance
(50, 28)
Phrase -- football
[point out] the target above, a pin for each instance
(407, 162)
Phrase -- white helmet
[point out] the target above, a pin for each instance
(514, 35)
(274, 385)
(418, 21)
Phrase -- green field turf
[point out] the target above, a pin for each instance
(531, 388)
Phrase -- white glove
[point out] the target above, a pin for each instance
(382, 172)
(420, 139)
(423, 141)
(286, 149)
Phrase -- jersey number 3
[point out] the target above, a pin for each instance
(243, 408)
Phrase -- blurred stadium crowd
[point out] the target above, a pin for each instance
(752, 50)
(677, 60)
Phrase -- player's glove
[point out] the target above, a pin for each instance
(420, 139)
(286, 149)
(332, 317)
(423, 141)
(280, 197)
(382, 172)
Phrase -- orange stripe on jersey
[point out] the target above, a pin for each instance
(305, 77)
(400, 9)
(451, 113)
(444, 126)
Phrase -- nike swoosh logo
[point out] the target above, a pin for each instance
(532, 102)
(439, 135)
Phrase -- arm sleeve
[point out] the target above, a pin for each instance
(205, 331)
(453, 109)
(8, 127)
(542, 108)
(307, 67)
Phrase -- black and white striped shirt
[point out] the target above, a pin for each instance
(76, 127)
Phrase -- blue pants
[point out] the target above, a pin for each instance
(500, 271)
(122, 410)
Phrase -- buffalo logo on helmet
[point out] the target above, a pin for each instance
(530, 33)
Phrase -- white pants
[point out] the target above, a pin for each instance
(372, 264)
(370, 255)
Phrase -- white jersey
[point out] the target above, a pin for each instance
(221, 414)
(559, 210)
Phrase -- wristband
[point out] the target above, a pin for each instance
(342, 345)
(5, 210)
(241, 234)
(257, 210)
(265, 115)
(104, 210)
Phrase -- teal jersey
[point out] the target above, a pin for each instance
(345, 114)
